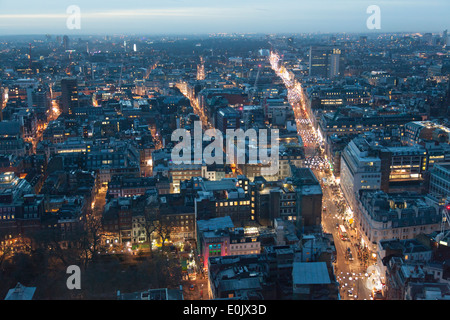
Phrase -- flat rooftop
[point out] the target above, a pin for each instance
(215, 224)
(310, 273)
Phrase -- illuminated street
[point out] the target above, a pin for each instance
(351, 274)
(236, 152)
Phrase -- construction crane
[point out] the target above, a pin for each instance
(253, 89)
(444, 234)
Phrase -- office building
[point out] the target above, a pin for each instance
(383, 216)
(440, 181)
(227, 118)
(324, 62)
(69, 96)
(297, 198)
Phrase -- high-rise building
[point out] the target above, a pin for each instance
(318, 61)
(66, 42)
(69, 95)
(324, 61)
(334, 63)
(428, 38)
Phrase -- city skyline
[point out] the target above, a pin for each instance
(225, 151)
(196, 17)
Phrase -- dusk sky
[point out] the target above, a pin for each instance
(213, 16)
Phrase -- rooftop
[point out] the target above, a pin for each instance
(215, 224)
(310, 273)
(20, 292)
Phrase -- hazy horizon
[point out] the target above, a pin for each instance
(183, 17)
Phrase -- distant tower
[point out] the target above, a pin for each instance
(66, 42)
(334, 63)
(324, 61)
(201, 70)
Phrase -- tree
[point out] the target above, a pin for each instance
(49, 242)
(90, 239)
(154, 220)
(149, 211)
(170, 273)
(164, 228)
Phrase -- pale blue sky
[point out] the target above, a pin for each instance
(201, 16)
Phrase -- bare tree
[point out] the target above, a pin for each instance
(164, 228)
(149, 222)
(48, 241)
(90, 240)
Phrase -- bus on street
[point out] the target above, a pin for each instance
(343, 233)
